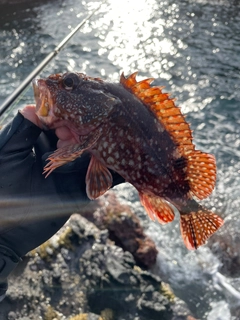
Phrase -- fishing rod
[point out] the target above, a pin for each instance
(7, 102)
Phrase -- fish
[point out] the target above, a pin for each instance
(137, 130)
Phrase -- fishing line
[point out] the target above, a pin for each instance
(21, 89)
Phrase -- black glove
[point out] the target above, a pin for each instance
(33, 208)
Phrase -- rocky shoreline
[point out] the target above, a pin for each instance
(81, 274)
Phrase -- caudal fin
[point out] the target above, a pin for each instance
(197, 227)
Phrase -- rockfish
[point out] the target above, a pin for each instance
(136, 130)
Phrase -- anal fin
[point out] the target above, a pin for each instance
(98, 179)
(157, 208)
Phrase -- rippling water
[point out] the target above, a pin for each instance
(190, 47)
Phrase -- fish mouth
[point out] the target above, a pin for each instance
(44, 102)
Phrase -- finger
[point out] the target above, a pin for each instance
(29, 112)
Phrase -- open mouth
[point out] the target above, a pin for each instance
(42, 97)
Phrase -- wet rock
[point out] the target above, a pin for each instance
(113, 282)
(154, 305)
(80, 274)
(124, 228)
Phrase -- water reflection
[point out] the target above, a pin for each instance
(136, 36)
(172, 42)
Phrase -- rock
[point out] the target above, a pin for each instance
(80, 274)
(124, 228)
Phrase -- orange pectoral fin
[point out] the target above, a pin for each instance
(62, 156)
(69, 153)
(98, 179)
(157, 207)
(197, 227)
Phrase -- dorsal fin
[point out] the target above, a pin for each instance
(201, 173)
(201, 167)
(164, 108)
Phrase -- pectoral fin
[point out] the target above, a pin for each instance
(69, 153)
(98, 179)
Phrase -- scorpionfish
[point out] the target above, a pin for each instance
(136, 130)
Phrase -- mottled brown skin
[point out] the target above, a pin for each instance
(140, 149)
(122, 133)
(132, 142)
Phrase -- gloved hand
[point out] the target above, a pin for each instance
(33, 208)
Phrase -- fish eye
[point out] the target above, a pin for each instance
(70, 81)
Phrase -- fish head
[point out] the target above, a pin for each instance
(74, 100)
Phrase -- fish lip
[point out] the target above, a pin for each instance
(42, 98)
(36, 90)
(38, 96)
(44, 103)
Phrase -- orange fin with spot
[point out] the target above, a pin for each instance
(69, 153)
(197, 227)
(129, 81)
(201, 167)
(98, 179)
(201, 173)
(164, 108)
(157, 208)
(62, 156)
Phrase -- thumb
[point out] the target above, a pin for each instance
(29, 113)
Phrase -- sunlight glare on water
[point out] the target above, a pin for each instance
(135, 34)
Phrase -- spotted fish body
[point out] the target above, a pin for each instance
(136, 130)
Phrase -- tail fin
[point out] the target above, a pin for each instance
(197, 227)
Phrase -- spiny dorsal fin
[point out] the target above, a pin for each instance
(201, 167)
(164, 108)
(130, 81)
